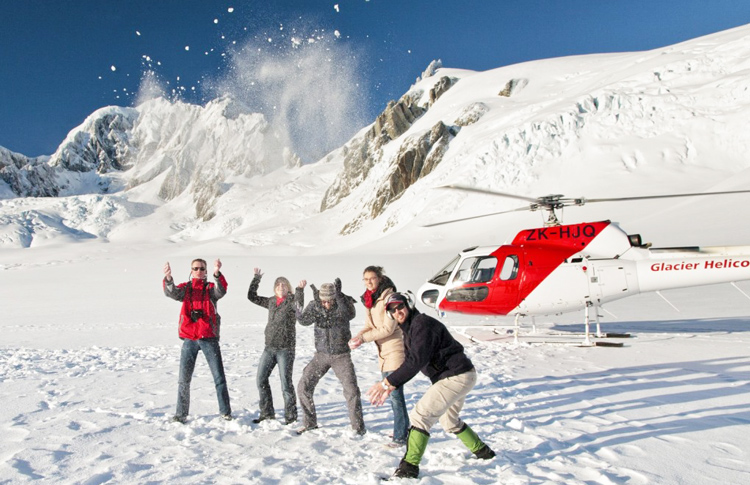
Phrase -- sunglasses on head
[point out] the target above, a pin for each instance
(394, 308)
(199, 268)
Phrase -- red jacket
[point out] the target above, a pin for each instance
(199, 298)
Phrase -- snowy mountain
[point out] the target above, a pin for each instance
(174, 148)
(671, 119)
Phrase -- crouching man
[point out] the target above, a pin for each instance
(331, 312)
(431, 349)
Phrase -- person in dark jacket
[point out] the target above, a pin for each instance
(331, 312)
(199, 331)
(431, 349)
(280, 342)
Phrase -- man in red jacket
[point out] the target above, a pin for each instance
(199, 330)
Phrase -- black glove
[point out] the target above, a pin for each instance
(316, 292)
(337, 285)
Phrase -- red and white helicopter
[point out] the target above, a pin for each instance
(561, 268)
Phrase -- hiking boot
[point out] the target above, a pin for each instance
(290, 420)
(484, 453)
(262, 418)
(474, 444)
(406, 470)
(227, 417)
(305, 429)
(178, 418)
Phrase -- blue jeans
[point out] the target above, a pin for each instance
(400, 416)
(268, 360)
(188, 356)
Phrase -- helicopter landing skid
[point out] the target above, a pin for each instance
(475, 334)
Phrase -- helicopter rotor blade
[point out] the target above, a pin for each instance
(553, 202)
(466, 188)
(475, 217)
(644, 197)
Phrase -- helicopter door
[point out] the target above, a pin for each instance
(607, 281)
(505, 289)
(470, 288)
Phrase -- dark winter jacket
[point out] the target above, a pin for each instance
(332, 332)
(431, 349)
(198, 296)
(280, 330)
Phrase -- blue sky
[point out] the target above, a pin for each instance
(61, 60)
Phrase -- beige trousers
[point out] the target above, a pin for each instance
(442, 402)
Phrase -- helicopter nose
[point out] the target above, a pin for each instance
(429, 294)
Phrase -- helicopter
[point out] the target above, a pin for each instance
(562, 268)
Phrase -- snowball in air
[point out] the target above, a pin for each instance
(187, 47)
(113, 68)
(336, 7)
(230, 9)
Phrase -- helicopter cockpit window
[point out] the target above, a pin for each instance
(441, 278)
(476, 270)
(510, 268)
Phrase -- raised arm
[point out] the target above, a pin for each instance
(344, 303)
(220, 287)
(170, 290)
(252, 292)
(299, 299)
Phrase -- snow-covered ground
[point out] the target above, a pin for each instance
(89, 361)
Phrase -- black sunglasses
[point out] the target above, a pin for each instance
(395, 308)
(199, 268)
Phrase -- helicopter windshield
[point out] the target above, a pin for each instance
(441, 278)
(476, 270)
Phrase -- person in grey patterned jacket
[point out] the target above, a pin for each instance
(331, 312)
(281, 339)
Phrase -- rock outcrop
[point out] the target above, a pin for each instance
(101, 144)
(416, 156)
(26, 177)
